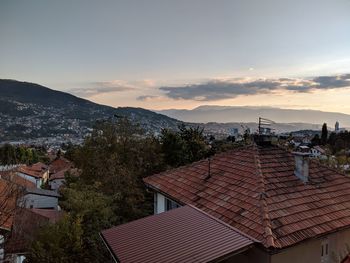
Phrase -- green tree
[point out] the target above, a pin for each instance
(324, 134)
(184, 146)
(60, 242)
(316, 140)
(173, 147)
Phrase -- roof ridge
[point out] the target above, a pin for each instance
(266, 222)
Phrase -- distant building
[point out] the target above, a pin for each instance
(317, 152)
(233, 132)
(336, 127)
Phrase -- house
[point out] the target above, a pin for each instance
(9, 193)
(26, 224)
(317, 152)
(39, 198)
(58, 179)
(16, 195)
(58, 170)
(60, 164)
(37, 173)
(296, 209)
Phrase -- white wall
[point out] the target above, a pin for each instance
(159, 203)
(40, 201)
(56, 183)
(32, 179)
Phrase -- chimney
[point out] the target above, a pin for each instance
(301, 169)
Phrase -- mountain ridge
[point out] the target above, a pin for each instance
(228, 114)
(29, 110)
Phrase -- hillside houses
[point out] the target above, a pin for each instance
(23, 200)
(282, 206)
(37, 173)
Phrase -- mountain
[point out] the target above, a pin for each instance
(29, 110)
(227, 114)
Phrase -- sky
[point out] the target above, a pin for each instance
(161, 54)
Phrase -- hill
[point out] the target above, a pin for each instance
(228, 114)
(29, 111)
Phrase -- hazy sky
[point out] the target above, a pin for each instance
(182, 53)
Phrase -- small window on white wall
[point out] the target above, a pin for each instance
(324, 250)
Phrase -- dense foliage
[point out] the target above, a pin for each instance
(20, 155)
(110, 191)
(339, 141)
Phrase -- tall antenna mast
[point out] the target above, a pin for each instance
(264, 123)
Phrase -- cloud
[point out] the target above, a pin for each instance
(225, 89)
(96, 88)
(146, 97)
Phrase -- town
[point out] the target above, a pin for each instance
(196, 131)
(37, 185)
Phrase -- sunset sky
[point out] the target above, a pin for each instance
(161, 54)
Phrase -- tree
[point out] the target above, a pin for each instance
(184, 146)
(60, 242)
(10, 203)
(115, 158)
(324, 134)
(173, 148)
(316, 140)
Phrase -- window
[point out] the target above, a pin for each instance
(324, 250)
(170, 204)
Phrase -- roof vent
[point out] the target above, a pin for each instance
(302, 165)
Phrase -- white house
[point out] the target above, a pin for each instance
(317, 152)
(40, 198)
(37, 173)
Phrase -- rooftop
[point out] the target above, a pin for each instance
(185, 234)
(35, 170)
(39, 191)
(255, 190)
(59, 165)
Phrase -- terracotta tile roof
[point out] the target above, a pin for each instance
(26, 224)
(59, 165)
(9, 193)
(15, 178)
(61, 173)
(36, 170)
(185, 234)
(255, 190)
(52, 215)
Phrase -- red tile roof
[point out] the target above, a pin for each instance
(61, 174)
(26, 224)
(255, 190)
(52, 215)
(185, 234)
(9, 192)
(15, 178)
(59, 165)
(36, 170)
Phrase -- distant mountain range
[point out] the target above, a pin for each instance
(228, 114)
(29, 110)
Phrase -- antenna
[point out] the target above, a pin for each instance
(264, 123)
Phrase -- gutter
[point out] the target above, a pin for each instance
(108, 248)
